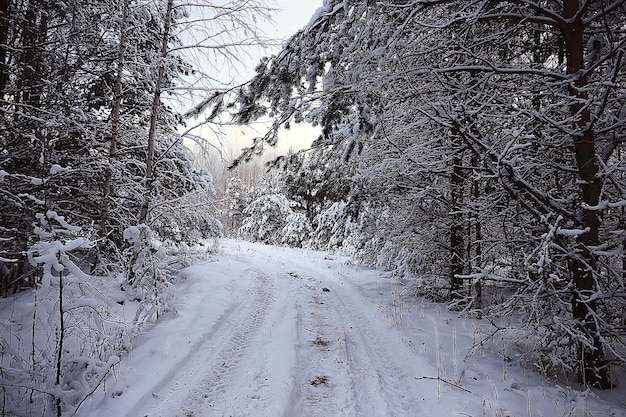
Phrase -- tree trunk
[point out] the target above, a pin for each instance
(115, 123)
(457, 243)
(477, 244)
(593, 370)
(61, 335)
(156, 101)
(4, 42)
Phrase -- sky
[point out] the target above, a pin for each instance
(290, 17)
(293, 16)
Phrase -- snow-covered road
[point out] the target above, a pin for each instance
(268, 331)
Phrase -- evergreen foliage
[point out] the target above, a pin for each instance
(484, 144)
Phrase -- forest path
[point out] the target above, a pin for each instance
(295, 337)
(269, 331)
(279, 332)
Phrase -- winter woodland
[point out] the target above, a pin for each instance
(473, 149)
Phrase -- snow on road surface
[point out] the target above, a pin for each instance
(270, 331)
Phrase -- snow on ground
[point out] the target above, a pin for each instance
(272, 331)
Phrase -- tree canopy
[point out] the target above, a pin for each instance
(487, 138)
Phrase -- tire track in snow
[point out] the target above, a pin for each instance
(212, 391)
(191, 361)
(322, 370)
(382, 385)
(380, 374)
(196, 383)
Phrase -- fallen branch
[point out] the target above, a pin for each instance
(444, 380)
(96, 386)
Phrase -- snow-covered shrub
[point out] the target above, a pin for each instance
(398, 259)
(297, 231)
(236, 199)
(187, 226)
(266, 218)
(149, 276)
(368, 234)
(332, 226)
(54, 356)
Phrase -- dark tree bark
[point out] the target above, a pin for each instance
(4, 42)
(115, 123)
(593, 370)
(21, 127)
(476, 244)
(35, 28)
(156, 104)
(457, 229)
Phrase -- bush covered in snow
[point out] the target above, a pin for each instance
(297, 231)
(266, 218)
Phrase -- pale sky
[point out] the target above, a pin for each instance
(294, 15)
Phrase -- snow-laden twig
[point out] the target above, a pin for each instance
(438, 378)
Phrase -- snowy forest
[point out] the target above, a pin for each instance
(474, 149)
